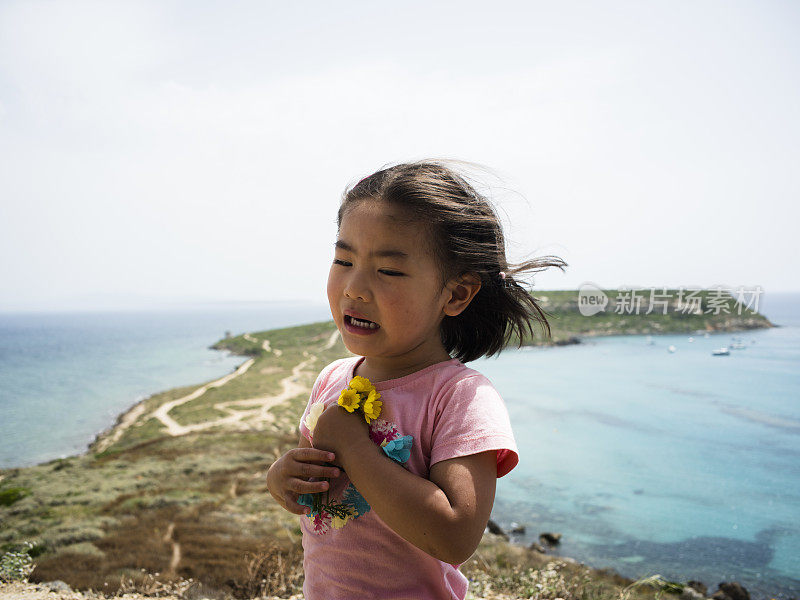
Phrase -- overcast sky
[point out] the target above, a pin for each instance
(197, 151)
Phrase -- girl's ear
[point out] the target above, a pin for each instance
(462, 290)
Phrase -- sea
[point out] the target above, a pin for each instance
(65, 377)
(647, 460)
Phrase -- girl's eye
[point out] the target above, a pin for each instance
(389, 272)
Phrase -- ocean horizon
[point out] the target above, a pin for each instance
(647, 461)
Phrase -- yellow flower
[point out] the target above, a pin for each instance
(349, 400)
(313, 415)
(361, 384)
(372, 406)
(339, 522)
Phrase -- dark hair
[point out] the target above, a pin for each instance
(467, 238)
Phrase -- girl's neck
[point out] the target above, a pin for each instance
(381, 369)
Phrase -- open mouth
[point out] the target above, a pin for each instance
(360, 323)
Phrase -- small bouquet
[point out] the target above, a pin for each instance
(360, 395)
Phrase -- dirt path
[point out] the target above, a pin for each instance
(176, 550)
(265, 344)
(250, 413)
(255, 411)
(128, 419)
(173, 427)
(332, 340)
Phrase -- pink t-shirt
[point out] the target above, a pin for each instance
(450, 410)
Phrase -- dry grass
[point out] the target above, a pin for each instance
(501, 570)
(273, 571)
(215, 554)
(219, 562)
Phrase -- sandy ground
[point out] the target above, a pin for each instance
(41, 591)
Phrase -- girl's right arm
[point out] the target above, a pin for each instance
(289, 476)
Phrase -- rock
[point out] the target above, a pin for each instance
(537, 548)
(57, 586)
(698, 586)
(551, 539)
(689, 593)
(519, 530)
(495, 529)
(731, 590)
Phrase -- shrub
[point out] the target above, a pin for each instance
(11, 494)
(16, 564)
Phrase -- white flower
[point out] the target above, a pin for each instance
(313, 414)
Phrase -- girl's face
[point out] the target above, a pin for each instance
(385, 289)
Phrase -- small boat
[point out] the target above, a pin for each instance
(737, 344)
(721, 352)
(691, 339)
(671, 348)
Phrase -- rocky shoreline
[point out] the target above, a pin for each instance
(548, 543)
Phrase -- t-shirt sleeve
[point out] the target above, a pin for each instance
(472, 418)
(312, 399)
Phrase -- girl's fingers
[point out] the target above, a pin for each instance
(313, 455)
(294, 507)
(301, 486)
(309, 470)
(331, 472)
(295, 473)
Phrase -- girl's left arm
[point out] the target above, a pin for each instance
(444, 516)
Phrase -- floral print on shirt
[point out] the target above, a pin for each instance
(353, 504)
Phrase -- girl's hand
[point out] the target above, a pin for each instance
(290, 475)
(338, 431)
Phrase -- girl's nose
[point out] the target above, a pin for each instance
(357, 289)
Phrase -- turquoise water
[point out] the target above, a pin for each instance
(683, 464)
(64, 377)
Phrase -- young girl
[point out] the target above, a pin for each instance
(419, 285)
